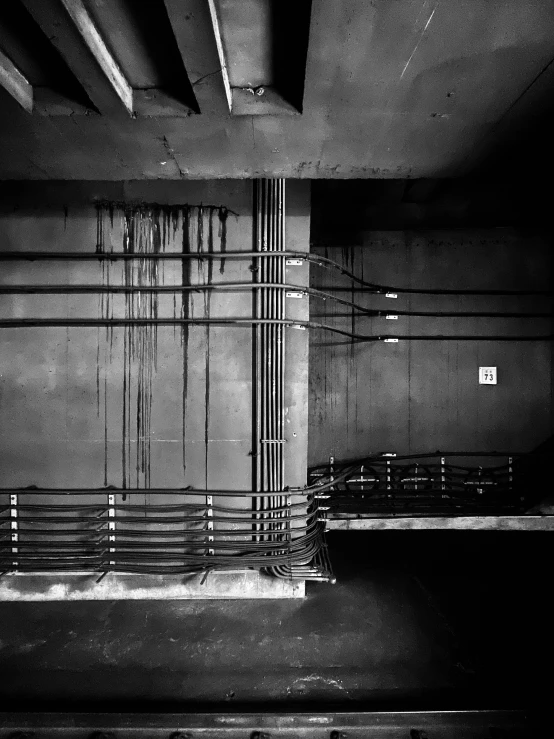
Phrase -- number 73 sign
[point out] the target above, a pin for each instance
(487, 375)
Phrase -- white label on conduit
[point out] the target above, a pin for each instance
(294, 295)
(487, 375)
(391, 295)
(298, 326)
(293, 262)
(391, 317)
(391, 341)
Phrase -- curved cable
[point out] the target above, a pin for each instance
(82, 322)
(239, 286)
(307, 256)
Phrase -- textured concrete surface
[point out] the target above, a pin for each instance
(242, 584)
(71, 399)
(392, 89)
(417, 620)
(419, 396)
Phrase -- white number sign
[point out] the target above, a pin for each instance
(487, 375)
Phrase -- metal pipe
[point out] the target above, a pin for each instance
(258, 484)
(273, 451)
(265, 349)
(282, 316)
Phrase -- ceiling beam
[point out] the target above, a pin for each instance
(85, 25)
(69, 27)
(221, 52)
(194, 31)
(15, 83)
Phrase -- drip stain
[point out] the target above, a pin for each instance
(106, 427)
(149, 228)
(185, 313)
(223, 214)
(207, 306)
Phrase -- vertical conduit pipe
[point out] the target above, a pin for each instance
(269, 363)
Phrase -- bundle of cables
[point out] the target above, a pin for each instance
(432, 484)
(320, 261)
(103, 535)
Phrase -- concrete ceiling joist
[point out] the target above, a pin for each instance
(15, 83)
(69, 27)
(85, 25)
(193, 28)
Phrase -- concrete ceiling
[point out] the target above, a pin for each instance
(392, 89)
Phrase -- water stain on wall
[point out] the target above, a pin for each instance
(150, 229)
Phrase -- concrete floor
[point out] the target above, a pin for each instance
(416, 620)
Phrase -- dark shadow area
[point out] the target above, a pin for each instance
(142, 40)
(417, 620)
(291, 32)
(30, 50)
(482, 200)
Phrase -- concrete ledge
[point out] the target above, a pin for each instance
(485, 523)
(116, 586)
(289, 725)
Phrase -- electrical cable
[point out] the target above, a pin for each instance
(85, 322)
(239, 286)
(306, 256)
(34, 490)
(149, 508)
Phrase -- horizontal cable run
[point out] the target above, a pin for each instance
(156, 256)
(306, 256)
(433, 484)
(114, 554)
(35, 490)
(237, 321)
(72, 289)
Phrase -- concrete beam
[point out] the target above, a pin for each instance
(15, 83)
(71, 30)
(193, 27)
(84, 24)
(484, 523)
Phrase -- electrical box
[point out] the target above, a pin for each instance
(487, 375)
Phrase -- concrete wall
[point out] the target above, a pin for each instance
(420, 396)
(70, 397)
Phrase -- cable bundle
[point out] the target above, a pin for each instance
(103, 535)
(439, 483)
